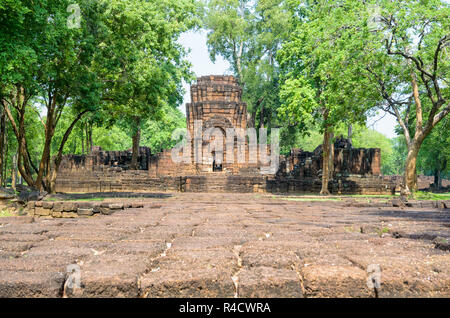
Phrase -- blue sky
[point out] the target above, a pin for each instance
(202, 65)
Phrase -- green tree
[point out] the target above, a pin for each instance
(230, 25)
(313, 92)
(157, 134)
(368, 138)
(248, 34)
(145, 64)
(434, 155)
(45, 66)
(401, 47)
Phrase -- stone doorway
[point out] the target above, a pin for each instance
(217, 165)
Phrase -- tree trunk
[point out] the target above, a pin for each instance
(261, 116)
(51, 178)
(2, 145)
(442, 168)
(5, 164)
(331, 157)
(88, 139)
(44, 165)
(91, 145)
(252, 119)
(82, 139)
(136, 141)
(439, 184)
(19, 131)
(410, 178)
(325, 162)
(436, 175)
(14, 172)
(349, 135)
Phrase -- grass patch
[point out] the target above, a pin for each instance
(383, 231)
(5, 213)
(420, 195)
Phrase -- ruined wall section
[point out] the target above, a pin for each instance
(216, 102)
(347, 161)
(100, 160)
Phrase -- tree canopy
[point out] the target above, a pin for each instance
(110, 73)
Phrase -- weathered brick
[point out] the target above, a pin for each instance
(85, 212)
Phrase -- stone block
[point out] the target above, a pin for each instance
(96, 208)
(335, 281)
(47, 205)
(58, 207)
(268, 282)
(69, 215)
(85, 205)
(69, 207)
(105, 211)
(116, 206)
(57, 214)
(85, 212)
(40, 211)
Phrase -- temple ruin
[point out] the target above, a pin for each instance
(216, 102)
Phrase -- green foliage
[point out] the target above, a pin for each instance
(420, 195)
(434, 155)
(144, 63)
(249, 34)
(5, 214)
(318, 80)
(157, 134)
(230, 24)
(369, 138)
(122, 64)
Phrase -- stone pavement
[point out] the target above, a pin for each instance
(228, 245)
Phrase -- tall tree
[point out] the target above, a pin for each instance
(434, 155)
(230, 25)
(313, 91)
(402, 48)
(45, 63)
(248, 34)
(145, 64)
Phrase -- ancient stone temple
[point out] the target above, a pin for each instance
(216, 107)
(216, 104)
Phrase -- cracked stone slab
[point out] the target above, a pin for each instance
(214, 245)
(276, 258)
(193, 283)
(335, 281)
(19, 284)
(268, 282)
(106, 275)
